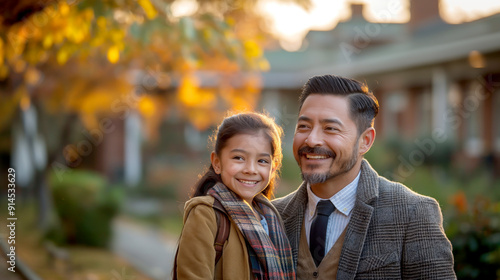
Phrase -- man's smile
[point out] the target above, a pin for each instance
(315, 156)
(315, 153)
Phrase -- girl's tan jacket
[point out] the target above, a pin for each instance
(196, 255)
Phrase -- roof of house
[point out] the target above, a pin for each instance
(436, 43)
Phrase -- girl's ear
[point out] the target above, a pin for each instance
(215, 162)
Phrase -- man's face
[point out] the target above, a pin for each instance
(325, 144)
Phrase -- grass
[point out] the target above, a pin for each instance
(172, 225)
(169, 223)
(84, 263)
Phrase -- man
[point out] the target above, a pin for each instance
(345, 221)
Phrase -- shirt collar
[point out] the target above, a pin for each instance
(344, 200)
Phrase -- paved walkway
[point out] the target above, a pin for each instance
(21, 270)
(145, 248)
(6, 274)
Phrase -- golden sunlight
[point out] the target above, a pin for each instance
(183, 8)
(390, 11)
(290, 23)
(458, 11)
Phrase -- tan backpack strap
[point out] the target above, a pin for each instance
(223, 227)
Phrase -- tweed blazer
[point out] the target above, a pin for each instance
(393, 233)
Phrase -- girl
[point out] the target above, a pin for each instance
(241, 177)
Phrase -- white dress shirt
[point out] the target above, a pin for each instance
(264, 224)
(337, 221)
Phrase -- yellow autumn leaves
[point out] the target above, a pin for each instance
(254, 53)
(149, 9)
(60, 26)
(60, 29)
(84, 35)
(202, 105)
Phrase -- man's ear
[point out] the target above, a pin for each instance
(215, 162)
(366, 140)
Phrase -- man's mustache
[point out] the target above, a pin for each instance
(315, 150)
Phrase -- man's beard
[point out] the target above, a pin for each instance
(317, 178)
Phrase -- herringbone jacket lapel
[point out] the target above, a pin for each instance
(357, 228)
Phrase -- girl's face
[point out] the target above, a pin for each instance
(245, 164)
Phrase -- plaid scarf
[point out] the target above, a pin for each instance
(273, 251)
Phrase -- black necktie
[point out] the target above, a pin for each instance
(317, 236)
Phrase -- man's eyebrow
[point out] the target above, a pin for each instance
(337, 121)
(323, 121)
(304, 118)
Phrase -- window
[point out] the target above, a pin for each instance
(472, 111)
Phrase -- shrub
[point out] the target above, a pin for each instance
(85, 207)
(474, 230)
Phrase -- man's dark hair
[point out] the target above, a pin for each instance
(364, 105)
